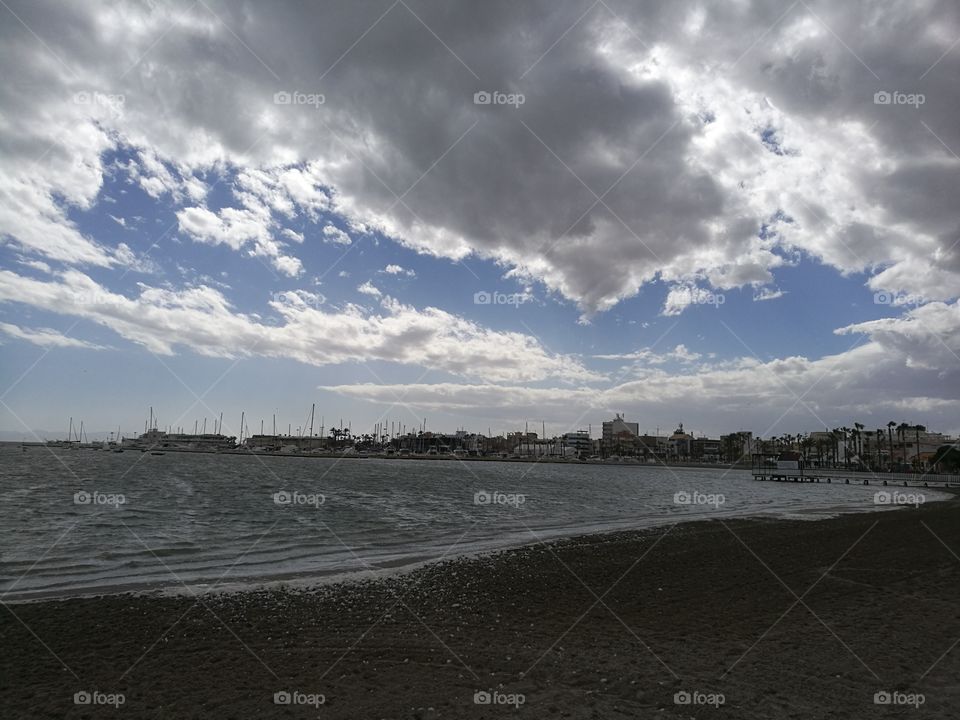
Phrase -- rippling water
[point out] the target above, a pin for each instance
(204, 520)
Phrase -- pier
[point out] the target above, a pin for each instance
(796, 471)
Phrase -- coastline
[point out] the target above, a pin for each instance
(679, 610)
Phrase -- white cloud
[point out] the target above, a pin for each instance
(45, 337)
(368, 288)
(765, 293)
(247, 228)
(901, 365)
(203, 320)
(335, 235)
(398, 270)
(648, 357)
(743, 163)
(682, 296)
(292, 236)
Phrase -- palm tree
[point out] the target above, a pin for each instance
(859, 430)
(902, 435)
(879, 448)
(890, 426)
(917, 429)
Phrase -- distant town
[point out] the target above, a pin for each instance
(895, 447)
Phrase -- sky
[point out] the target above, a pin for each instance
(737, 215)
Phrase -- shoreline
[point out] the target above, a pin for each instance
(305, 580)
(601, 625)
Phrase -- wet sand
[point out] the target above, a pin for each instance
(783, 619)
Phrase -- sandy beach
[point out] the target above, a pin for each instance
(740, 619)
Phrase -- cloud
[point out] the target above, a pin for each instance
(680, 297)
(763, 294)
(398, 270)
(45, 337)
(246, 228)
(649, 146)
(899, 365)
(647, 356)
(203, 320)
(368, 288)
(336, 236)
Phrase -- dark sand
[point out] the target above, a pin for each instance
(698, 611)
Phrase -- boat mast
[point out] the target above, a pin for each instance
(313, 407)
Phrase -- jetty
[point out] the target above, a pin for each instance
(795, 469)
